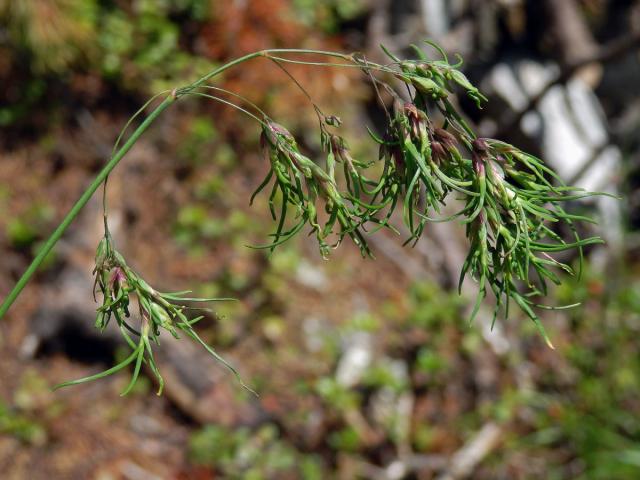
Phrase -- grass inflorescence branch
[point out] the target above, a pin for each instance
(512, 202)
(121, 287)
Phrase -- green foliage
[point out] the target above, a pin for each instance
(429, 361)
(582, 421)
(345, 440)
(142, 46)
(26, 417)
(136, 46)
(431, 308)
(32, 91)
(327, 14)
(25, 230)
(20, 426)
(51, 49)
(336, 395)
(195, 224)
(585, 412)
(240, 453)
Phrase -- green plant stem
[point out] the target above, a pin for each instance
(104, 173)
(79, 205)
(262, 53)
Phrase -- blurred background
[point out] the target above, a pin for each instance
(365, 369)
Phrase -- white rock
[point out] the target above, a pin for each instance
(357, 357)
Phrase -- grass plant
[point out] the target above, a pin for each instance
(512, 201)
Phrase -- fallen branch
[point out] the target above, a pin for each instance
(465, 460)
(610, 52)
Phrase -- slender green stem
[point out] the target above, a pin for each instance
(115, 159)
(227, 102)
(221, 69)
(79, 205)
(267, 54)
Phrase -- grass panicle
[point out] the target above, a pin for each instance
(121, 287)
(512, 200)
(513, 205)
